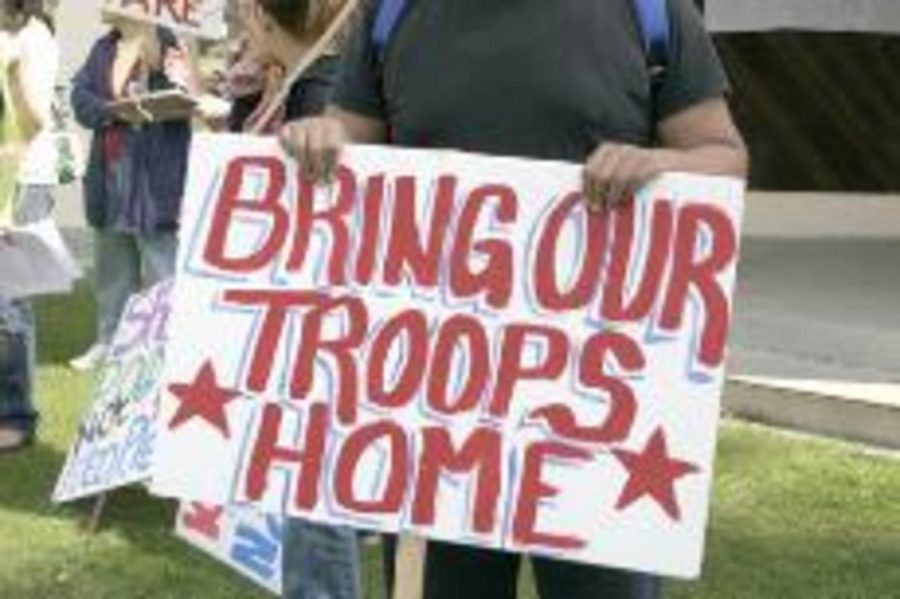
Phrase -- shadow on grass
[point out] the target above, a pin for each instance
(27, 479)
(66, 324)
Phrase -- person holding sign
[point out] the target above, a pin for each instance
(568, 80)
(28, 63)
(318, 560)
(137, 165)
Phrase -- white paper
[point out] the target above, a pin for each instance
(34, 260)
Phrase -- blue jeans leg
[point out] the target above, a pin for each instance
(127, 263)
(117, 276)
(18, 341)
(158, 255)
(320, 562)
(17, 362)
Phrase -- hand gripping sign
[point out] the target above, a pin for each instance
(201, 18)
(452, 346)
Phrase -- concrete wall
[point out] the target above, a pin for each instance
(877, 16)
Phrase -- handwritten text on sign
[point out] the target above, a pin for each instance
(241, 537)
(115, 442)
(205, 18)
(452, 345)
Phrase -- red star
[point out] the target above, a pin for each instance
(652, 472)
(204, 398)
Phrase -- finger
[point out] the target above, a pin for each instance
(605, 173)
(287, 137)
(305, 155)
(598, 193)
(591, 194)
(595, 200)
(622, 182)
(301, 142)
(315, 143)
(334, 141)
(593, 185)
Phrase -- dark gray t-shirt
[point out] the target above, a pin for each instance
(533, 78)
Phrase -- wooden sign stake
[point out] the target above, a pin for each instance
(409, 567)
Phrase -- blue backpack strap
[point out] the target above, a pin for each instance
(652, 18)
(653, 21)
(387, 17)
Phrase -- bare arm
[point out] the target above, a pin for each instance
(703, 139)
(700, 139)
(32, 73)
(359, 129)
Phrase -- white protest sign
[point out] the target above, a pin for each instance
(202, 18)
(451, 346)
(34, 260)
(115, 441)
(242, 538)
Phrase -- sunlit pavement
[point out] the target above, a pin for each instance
(816, 340)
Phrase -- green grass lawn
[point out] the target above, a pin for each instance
(792, 517)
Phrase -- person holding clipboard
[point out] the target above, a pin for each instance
(132, 93)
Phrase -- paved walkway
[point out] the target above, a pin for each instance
(816, 340)
(819, 289)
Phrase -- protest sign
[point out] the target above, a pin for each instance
(241, 537)
(34, 260)
(115, 441)
(452, 346)
(202, 18)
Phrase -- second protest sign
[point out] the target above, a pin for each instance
(201, 18)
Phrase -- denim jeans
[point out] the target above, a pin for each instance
(320, 562)
(18, 345)
(125, 264)
(17, 360)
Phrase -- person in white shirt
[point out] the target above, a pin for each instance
(29, 61)
(39, 53)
